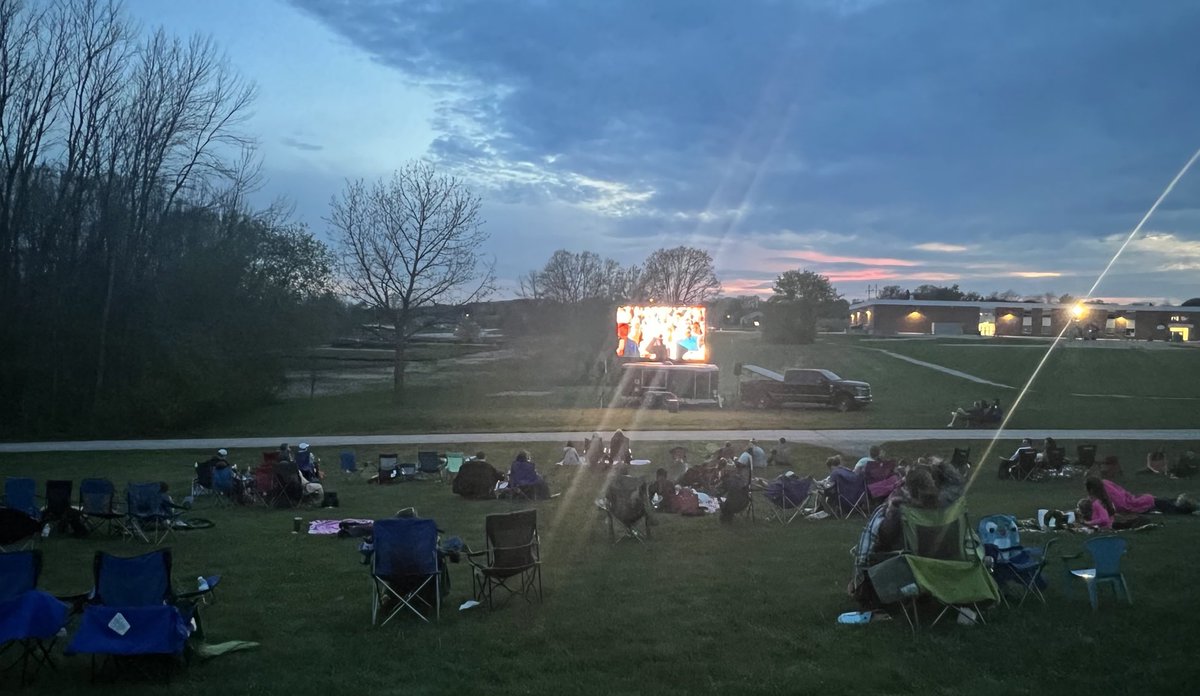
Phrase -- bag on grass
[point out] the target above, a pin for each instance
(687, 503)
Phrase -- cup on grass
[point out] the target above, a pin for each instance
(296, 522)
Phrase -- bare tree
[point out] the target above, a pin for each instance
(571, 278)
(529, 285)
(683, 275)
(408, 244)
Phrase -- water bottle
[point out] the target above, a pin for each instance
(201, 584)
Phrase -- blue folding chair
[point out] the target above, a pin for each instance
(134, 612)
(96, 496)
(405, 568)
(787, 496)
(348, 462)
(223, 485)
(148, 516)
(29, 618)
(1106, 553)
(1013, 563)
(849, 494)
(21, 494)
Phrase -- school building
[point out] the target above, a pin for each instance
(930, 317)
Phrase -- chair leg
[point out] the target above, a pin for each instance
(1091, 587)
(1125, 590)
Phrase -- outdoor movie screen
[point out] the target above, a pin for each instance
(661, 333)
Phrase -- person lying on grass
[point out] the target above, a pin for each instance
(1119, 500)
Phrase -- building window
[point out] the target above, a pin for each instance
(1046, 322)
(1026, 324)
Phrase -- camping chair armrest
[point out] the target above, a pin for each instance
(76, 601)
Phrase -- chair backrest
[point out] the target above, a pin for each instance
(223, 480)
(137, 581)
(999, 531)
(204, 473)
(942, 534)
(878, 470)
(348, 461)
(404, 546)
(1027, 460)
(388, 463)
(849, 485)
(454, 461)
(287, 479)
(789, 491)
(1106, 552)
(1086, 455)
(144, 499)
(96, 496)
(428, 462)
(269, 458)
(1056, 457)
(19, 571)
(20, 493)
(512, 539)
(264, 476)
(961, 457)
(58, 498)
(407, 469)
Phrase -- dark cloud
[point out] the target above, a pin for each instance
(300, 144)
(910, 121)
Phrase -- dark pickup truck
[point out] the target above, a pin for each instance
(763, 388)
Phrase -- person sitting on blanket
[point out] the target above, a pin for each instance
(735, 489)
(780, 455)
(1119, 500)
(920, 491)
(523, 476)
(664, 488)
(619, 448)
(593, 449)
(1094, 513)
(476, 479)
(570, 456)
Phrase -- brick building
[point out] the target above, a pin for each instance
(1142, 322)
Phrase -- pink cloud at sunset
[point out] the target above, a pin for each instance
(819, 257)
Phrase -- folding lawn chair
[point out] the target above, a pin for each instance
(511, 559)
(389, 468)
(20, 493)
(147, 515)
(942, 561)
(429, 464)
(626, 504)
(1106, 553)
(1013, 563)
(1023, 469)
(348, 463)
(288, 486)
(961, 459)
(848, 495)
(202, 481)
(1085, 456)
(406, 471)
(264, 483)
(881, 479)
(223, 485)
(29, 618)
(135, 613)
(96, 501)
(58, 501)
(787, 496)
(454, 462)
(405, 568)
(1054, 458)
(18, 531)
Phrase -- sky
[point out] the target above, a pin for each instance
(998, 146)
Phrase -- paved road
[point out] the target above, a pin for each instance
(837, 439)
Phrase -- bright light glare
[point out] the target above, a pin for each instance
(1077, 311)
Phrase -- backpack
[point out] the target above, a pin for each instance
(687, 503)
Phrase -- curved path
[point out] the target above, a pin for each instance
(835, 439)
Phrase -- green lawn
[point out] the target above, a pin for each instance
(701, 608)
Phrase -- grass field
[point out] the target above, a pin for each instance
(481, 398)
(701, 608)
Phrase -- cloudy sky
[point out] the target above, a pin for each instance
(994, 145)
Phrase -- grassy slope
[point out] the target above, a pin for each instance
(701, 608)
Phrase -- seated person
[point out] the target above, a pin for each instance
(476, 479)
(874, 454)
(1048, 446)
(735, 489)
(780, 455)
(570, 456)
(167, 502)
(993, 413)
(726, 451)
(974, 414)
(920, 491)
(949, 482)
(664, 488)
(1008, 466)
(1093, 513)
(619, 449)
(523, 476)
(757, 454)
(285, 453)
(308, 464)
(1186, 467)
(1156, 462)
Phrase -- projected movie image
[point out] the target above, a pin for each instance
(661, 334)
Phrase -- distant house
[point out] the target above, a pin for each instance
(1017, 318)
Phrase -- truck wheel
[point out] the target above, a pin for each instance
(843, 403)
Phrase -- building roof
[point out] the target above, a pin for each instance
(1010, 304)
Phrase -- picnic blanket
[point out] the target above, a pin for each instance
(331, 527)
(1030, 525)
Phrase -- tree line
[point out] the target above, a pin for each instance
(953, 293)
(137, 289)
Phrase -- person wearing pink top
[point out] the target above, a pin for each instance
(1093, 513)
(1116, 499)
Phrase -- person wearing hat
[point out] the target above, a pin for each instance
(221, 461)
(310, 472)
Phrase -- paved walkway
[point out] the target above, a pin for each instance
(835, 439)
(939, 368)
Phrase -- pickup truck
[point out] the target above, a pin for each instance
(763, 388)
